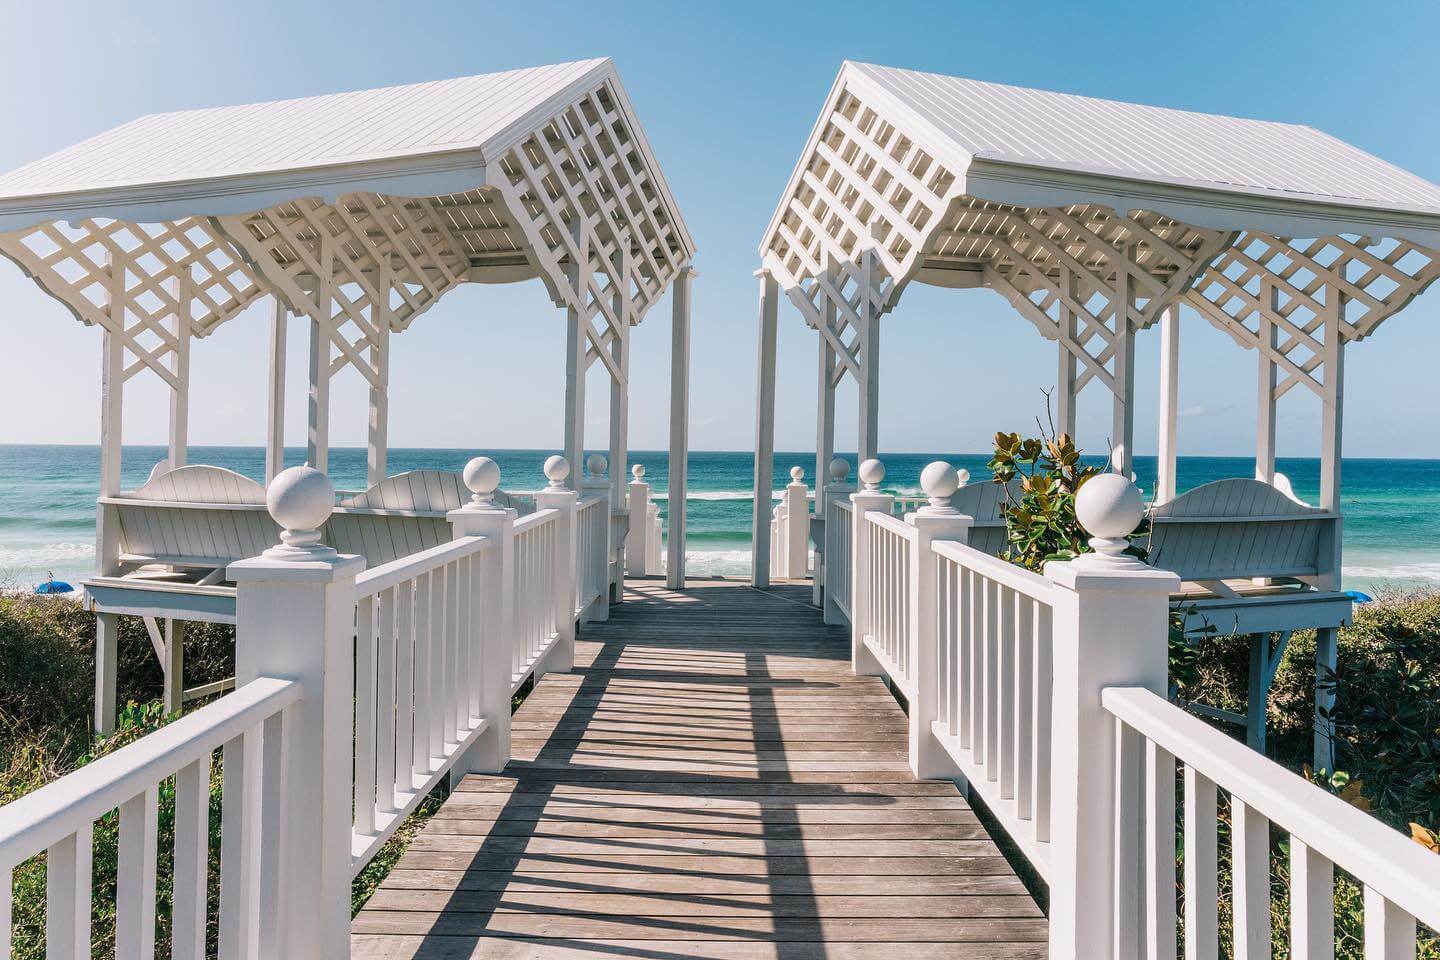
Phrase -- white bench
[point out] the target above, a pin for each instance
(175, 535)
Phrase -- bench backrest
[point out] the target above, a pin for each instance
(984, 501)
(197, 516)
(1241, 528)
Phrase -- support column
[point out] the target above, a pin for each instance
(1169, 403)
(1065, 381)
(868, 386)
(576, 346)
(1265, 388)
(764, 431)
(180, 366)
(378, 441)
(620, 400)
(107, 525)
(680, 292)
(1122, 430)
(824, 437)
(1331, 421)
(275, 400)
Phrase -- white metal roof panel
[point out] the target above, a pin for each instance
(991, 121)
(462, 114)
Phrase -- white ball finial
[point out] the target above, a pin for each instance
(597, 465)
(1109, 507)
(872, 474)
(797, 474)
(557, 468)
(300, 499)
(839, 469)
(482, 479)
(638, 471)
(963, 476)
(939, 480)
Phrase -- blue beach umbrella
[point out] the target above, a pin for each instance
(54, 586)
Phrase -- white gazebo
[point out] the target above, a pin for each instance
(356, 212)
(1095, 220)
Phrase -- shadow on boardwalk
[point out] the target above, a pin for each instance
(710, 782)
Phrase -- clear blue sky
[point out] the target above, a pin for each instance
(727, 93)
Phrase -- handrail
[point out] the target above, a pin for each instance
(892, 524)
(536, 519)
(1028, 582)
(39, 819)
(408, 567)
(1384, 860)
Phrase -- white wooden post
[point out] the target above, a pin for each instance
(1169, 404)
(1122, 430)
(1265, 388)
(178, 447)
(317, 441)
(836, 491)
(1065, 380)
(378, 438)
(295, 616)
(598, 485)
(483, 517)
(797, 526)
(1110, 629)
(275, 399)
(872, 474)
(558, 497)
(868, 354)
(620, 393)
(637, 538)
(764, 432)
(1331, 421)
(937, 520)
(576, 347)
(824, 429)
(679, 425)
(107, 525)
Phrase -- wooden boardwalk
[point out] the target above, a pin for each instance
(710, 782)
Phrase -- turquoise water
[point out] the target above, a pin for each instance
(47, 501)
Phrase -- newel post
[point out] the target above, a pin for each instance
(872, 474)
(937, 520)
(295, 620)
(483, 517)
(558, 497)
(1110, 629)
(637, 538)
(597, 484)
(797, 525)
(830, 566)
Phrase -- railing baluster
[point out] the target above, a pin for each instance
(365, 707)
(993, 614)
(1312, 903)
(385, 704)
(1129, 877)
(192, 860)
(1250, 880)
(405, 674)
(1159, 817)
(1044, 691)
(7, 899)
(67, 896)
(1004, 692)
(273, 827)
(134, 877)
(1022, 708)
(965, 652)
(1389, 930)
(239, 836)
(1202, 924)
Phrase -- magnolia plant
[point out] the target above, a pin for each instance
(1040, 523)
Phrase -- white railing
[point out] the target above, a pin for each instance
(1401, 880)
(251, 727)
(884, 626)
(592, 531)
(839, 534)
(536, 626)
(419, 636)
(644, 539)
(993, 689)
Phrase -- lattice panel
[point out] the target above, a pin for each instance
(364, 262)
(866, 185)
(135, 280)
(1086, 277)
(593, 220)
(1273, 294)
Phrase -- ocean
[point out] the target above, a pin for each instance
(47, 501)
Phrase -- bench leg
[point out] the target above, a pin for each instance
(107, 638)
(1257, 696)
(174, 665)
(1326, 659)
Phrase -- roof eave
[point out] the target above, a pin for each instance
(414, 176)
(1228, 208)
